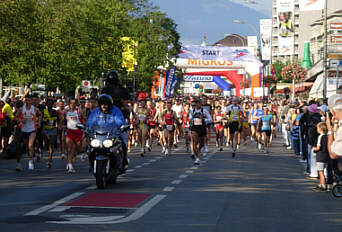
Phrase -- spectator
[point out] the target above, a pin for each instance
(322, 155)
(335, 142)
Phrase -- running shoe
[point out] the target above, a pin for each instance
(48, 164)
(18, 168)
(129, 150)
(206, 150)
(192, 156)
(175, 145)
(83, 157)
(149, 148)
(166, 152)
(62, 156)
(197, 162)
(70, 168)
(233, 154)
(30, 165)
(238, 147)
(221, 148)
(259, 146)
(38, 158)
(187, 148)
(319, 188)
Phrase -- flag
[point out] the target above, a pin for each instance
(311, 5)
(128, 54)
(170, 75)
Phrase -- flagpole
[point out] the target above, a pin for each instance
(325, 58)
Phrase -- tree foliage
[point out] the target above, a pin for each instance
(61, 42)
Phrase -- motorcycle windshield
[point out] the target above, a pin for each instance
(104, 124)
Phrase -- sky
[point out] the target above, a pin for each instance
(214, 17)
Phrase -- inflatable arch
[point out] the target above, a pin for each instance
(232, 75)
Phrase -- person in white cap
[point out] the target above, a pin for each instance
(335, 142)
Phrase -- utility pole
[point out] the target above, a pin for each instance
(325, 57)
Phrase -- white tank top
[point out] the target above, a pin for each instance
(30, 120)
(72, 120)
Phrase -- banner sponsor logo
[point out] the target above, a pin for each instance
(189, 78)
(265, 36)
(311, 5)
(285, 12)
(216, 53)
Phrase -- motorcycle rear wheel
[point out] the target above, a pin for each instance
(337, 190)
(101, 174)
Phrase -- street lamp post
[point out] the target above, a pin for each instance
(256, 34)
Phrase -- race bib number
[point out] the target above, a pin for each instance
(169, 127)
(51, 122)
(218, 118)
(142, 117)
(197, 121)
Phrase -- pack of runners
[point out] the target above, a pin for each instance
(33, 125)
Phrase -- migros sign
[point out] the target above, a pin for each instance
(199, 62)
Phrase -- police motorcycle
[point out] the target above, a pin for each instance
(105, 151)
(337, 189)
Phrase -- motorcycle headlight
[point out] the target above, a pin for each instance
(95, 143)
(108, 143)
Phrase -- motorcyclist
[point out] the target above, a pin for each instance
(110, 115)
(118, 93)
(114, 88)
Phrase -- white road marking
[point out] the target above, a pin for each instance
(168, 189)
(130, 170)
(183, 176)
(159, 157)
(112, 219)
(152, 160)
(203, 162)
(59, 209)
(145, 164)
(138, 166)
(176, 182)
(194, 168)
(54, 204)
(189, 172)
(92, 187)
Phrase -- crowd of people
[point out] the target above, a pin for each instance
(308, 128)
(313, 131)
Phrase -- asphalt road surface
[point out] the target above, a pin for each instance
(251, 192)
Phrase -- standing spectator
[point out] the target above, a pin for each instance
(309, 121)
(335, 142)
(322, 155)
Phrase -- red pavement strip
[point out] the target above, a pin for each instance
(114, 200)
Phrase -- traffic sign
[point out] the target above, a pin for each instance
(336, 39)
(336, 26)
(335, 63)
(335, 56)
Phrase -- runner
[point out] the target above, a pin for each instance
(142, 128)
(50, 119)
(266, 121)
(246, 130)
(153, 126)
(169, 118)
(178, 108)
(218, 116)
(74, 136)
(61, 128)
(234, 119)
(199, 117)
(28, 116)
(186, 125)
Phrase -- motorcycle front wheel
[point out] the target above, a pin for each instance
(100, 174)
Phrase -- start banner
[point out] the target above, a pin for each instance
(216, 53)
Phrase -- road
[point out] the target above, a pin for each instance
(251, 192)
